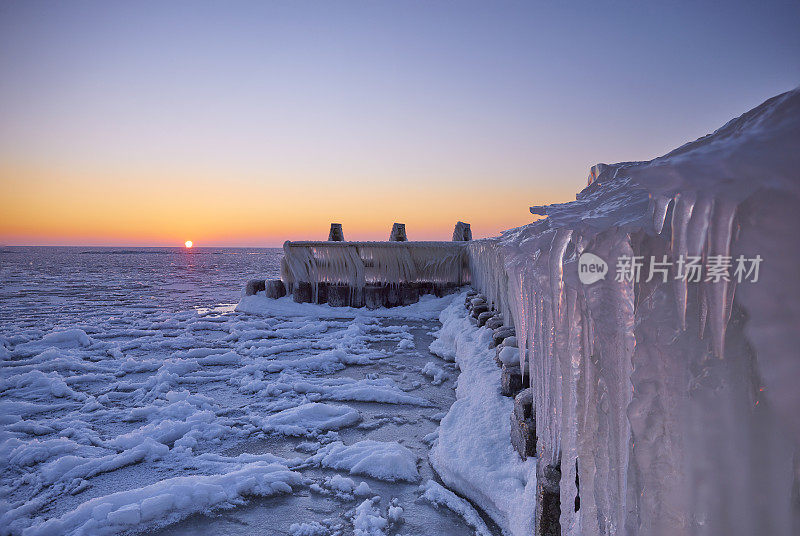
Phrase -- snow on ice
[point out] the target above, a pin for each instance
(167, 400)
(384, 461)
(473, 445)
(441, 496)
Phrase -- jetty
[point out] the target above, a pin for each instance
(369, 274)
(655, 403)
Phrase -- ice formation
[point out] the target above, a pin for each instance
(675, 402)
(169, 500)
(669, 407)
(382, 263)
(388, 461)
(303, 419)
(368, 520)
(308, 529)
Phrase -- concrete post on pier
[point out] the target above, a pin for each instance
(462, 232)
(302, 292)
(398, 233)
(393, 298)
(254, 286)
(375, 296)
(339, 295)
(336, 234)
(322, 292)
(275, 288)
(523, 425)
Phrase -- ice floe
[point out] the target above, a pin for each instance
(163, 398)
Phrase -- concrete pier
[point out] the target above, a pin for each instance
(302, 292)
(339, 295)
(374, 296)
(523, 425)
(254, 286)
(548, 500)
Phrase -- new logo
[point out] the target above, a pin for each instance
(591, 268)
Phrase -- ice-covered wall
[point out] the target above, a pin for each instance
(680, 401)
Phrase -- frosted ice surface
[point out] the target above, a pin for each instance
(310, 417)
(138, 420)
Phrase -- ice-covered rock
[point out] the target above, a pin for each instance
(313, 528)
(368, 520)
(436, 373)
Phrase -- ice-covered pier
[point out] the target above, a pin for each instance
(655, 322)
(369, 274)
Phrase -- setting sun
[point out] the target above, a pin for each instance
(188, 243)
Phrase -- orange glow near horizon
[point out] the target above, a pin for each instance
(152, 208)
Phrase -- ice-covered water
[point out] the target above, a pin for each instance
(44, 287)
(135, 397)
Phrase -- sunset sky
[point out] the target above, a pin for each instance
(249, 123)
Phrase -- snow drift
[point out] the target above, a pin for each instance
(473, 454)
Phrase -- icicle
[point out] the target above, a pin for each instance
(660, 207)
(698, 225)
(681, 214)
(703, 313)
(570, 373)
(529, 314)
(557, 248)
(719, 240)
(729, 300)
(695, 240)
(286, 276)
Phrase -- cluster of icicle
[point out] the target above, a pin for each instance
(380, 263)
(677, 404)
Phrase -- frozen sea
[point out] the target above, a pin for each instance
(135, 397)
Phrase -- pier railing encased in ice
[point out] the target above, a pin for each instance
(369, 267)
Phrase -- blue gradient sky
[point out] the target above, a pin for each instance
(247, 123)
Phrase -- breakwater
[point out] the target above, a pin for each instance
(663, 398)
(367, 274)
(656, 320)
